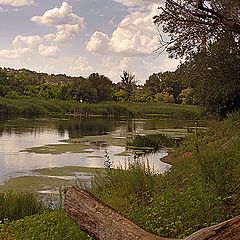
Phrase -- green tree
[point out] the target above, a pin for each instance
(153, 83)
(187, 96)
(192, 25)
(128, 83)
(215, 77)
(103, 86)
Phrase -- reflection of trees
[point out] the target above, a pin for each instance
(79, 127)
(22, 126)
(76, 127)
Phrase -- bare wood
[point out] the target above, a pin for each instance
(103, 223)
(228, 230)
(99, 220)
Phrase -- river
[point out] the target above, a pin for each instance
(17, 135)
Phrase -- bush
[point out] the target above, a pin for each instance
(154, 141)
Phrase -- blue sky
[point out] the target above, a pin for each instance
(78, 37)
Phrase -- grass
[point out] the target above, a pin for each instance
(53, 225)
(201, 189)
(15, 205)
(31, 107)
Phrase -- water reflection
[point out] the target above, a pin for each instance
(18, 134)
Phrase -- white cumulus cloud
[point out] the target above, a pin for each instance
(15, 53)
(21, 42)
(16, 3)
(135, 35)
(60, 16)
(81, 66)
(49, 51)
(67, 24)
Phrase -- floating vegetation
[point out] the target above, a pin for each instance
(150, 143)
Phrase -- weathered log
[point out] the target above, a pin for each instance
(103, 223)
(228, 230)
(99, 220)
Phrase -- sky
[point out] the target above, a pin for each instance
(79, 37)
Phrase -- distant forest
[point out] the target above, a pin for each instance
(159, 87)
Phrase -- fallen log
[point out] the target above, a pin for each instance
(103, 223)
(228, 230)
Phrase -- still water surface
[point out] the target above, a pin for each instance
(19, 134)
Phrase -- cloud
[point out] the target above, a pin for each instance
(131, 3)
(15, 53)
(81, 66)
(66, 32)
(16, 3)
(49, 51)
(67, 24)
(135, 35)
(99, 43)
(60, 16)
(21, 42)
(3, 10)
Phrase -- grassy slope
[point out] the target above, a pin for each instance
(201, 189)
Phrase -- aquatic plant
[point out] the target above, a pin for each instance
(151, 142)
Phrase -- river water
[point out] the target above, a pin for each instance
(19, 134)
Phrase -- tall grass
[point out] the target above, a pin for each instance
(32, 107)
(201, 189)
(14, 205)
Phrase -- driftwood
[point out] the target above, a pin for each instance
(103, 223)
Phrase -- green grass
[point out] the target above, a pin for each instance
(48, 226)
(201, 188)
(15, 205)
(31, 107)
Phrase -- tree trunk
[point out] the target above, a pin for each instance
(99, 220)
(103, 223)
(228, 230)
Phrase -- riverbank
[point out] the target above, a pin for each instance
(32, 107)
(201, 188)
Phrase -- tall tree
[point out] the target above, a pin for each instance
(215, 77)
(153, 83)
(193, 24)
(128, 83)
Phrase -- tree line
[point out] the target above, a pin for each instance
(159, 87)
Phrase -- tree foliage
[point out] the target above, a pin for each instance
(128, 83)
(193, 24)
(215, 77)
